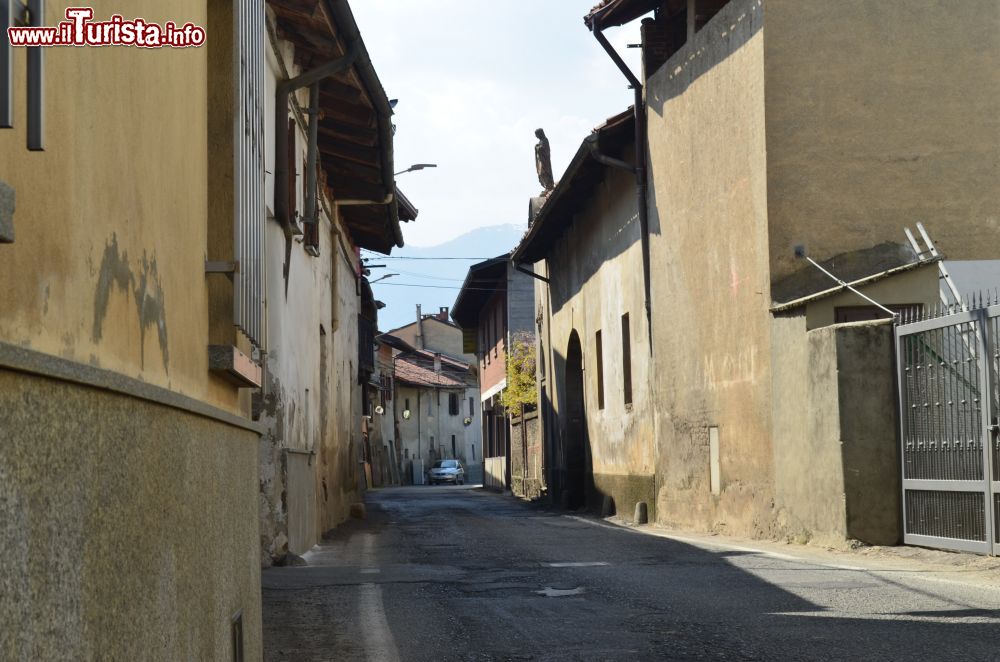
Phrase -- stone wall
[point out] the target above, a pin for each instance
(128, 527)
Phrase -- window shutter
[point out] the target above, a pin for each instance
(248, 281)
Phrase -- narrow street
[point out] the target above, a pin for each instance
(453, 573)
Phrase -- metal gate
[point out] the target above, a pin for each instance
(948, 392)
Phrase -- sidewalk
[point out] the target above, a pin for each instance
(932, 564)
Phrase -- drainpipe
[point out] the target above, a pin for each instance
(312, 156)
(285, 89)
(639, 170)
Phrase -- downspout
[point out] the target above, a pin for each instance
(640, 168)
(312, 156)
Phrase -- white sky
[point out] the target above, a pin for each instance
(474, 79)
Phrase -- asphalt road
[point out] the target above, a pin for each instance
(452, 573)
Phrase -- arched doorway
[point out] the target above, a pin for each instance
(576, 452)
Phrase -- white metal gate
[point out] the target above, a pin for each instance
(948, 392)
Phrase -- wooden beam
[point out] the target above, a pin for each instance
(352, 152)
(345, 187)
(350, 133)
(340, 167)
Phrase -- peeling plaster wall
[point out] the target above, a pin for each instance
(710, 284)
(311, 402)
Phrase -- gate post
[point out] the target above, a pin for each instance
(984, 341)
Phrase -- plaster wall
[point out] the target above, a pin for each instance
(596, 277)
(128, 528)
(311, 402)
(881, 114)
(710, 278)
(111, 221)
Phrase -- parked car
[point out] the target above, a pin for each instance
(446, 471)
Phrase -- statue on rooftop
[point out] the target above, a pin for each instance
(543, 161)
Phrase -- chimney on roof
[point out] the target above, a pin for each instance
(437, 363)
(420, 329)
(443, 313)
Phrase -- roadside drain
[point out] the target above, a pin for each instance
(550, 592)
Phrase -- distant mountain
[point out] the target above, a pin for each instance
(431, 280)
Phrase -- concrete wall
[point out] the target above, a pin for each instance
(596, 276)
(128, 528)
(880, 114)
(710, 285)
(835, 433)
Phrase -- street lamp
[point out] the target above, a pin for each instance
(382, 278)
(417, 166)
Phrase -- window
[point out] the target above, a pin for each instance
(453, 448)
(406, 405)
(453, 404)
(472, 407)
(599, 353)
(627, 359)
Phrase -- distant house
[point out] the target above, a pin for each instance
(435, 396)
(496, 305)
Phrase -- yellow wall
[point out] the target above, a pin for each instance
(111, 220)
(881, 114)
(710, 284)
(128, 512)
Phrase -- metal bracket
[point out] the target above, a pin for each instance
(227, 268)
(520, 268)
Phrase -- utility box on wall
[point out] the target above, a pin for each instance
(418, 471)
